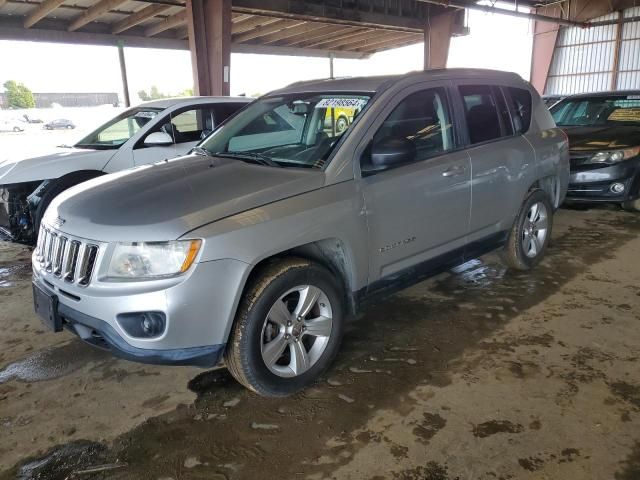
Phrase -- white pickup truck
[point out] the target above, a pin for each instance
(151, 132)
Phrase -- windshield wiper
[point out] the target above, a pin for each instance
(200, 151)
(252, 156)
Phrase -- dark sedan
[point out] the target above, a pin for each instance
(59, 124)
(604, 142)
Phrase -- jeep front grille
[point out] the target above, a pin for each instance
(67, 258)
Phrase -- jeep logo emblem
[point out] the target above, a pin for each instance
(58, 222)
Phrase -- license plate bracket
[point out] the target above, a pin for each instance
(46, 306)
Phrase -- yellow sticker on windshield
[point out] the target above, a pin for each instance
(625, 115)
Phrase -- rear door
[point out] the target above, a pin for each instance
(419, 211)
(501, 160)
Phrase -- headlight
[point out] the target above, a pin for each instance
(149, 260)
(614, 156)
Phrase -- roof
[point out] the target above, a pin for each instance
(304, 27)
(374, 83)
(606, 93)
(187, 101)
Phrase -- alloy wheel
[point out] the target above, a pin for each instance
(296, 331)
(534, 230)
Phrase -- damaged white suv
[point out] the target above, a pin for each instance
(148, 133)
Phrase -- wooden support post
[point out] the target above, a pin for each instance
(209, 24)
(123, 73)
(437, 38)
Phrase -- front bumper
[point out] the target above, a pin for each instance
(199, 308)
(587, 184)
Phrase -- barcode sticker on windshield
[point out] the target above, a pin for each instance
(633, 97)
(341, 103)
(144, 114)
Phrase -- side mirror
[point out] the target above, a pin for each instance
(389, 153)
(158, 139)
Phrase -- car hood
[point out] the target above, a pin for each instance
(55, 165)
(165, 200)
(588, 139)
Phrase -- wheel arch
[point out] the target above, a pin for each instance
(332, 253)
(551, 185)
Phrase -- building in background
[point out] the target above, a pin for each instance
(93, 99)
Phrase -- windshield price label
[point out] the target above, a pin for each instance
(146, 114)
(341, 103)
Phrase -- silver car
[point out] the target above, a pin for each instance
(255, 249)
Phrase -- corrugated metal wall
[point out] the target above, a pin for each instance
(585, 59)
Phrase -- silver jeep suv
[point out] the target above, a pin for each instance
(255, 248)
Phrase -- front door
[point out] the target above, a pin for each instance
(418, 212)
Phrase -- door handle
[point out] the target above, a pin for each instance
(453, 171)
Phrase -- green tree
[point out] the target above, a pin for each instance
(155, 94)
(18, 96)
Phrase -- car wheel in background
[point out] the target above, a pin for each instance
(17, 129)
(288, 328)
(69, 127)
(341, 124)
(531, 232)
(632, 205)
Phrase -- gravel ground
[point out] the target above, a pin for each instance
(478, 373)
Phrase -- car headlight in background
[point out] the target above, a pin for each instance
(614, 156)
(149, 260)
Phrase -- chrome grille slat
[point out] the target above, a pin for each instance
(66, 258)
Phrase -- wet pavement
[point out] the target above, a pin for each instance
(480, 373)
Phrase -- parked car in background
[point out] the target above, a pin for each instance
(604, 140)
(11, 126)
(59, 124)
(145, 134)
(29, 119)
(256, 247)
(551, 100)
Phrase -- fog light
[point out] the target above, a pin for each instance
(617, 187)
(142, 324)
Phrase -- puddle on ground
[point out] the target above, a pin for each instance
(401, 342)
(11, 274)
(52, 362)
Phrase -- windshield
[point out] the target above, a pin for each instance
(598, 111)
(296, 130)
(120, 129)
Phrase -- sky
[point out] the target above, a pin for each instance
(46, 67)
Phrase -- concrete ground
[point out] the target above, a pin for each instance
(479, 373)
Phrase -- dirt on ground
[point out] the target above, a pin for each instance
(479, 373)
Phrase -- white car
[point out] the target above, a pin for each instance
(11, 126)
(151, 132)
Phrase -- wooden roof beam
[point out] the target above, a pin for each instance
(303, 28)
(170, 22)
(317, 36)
(251, 23)
(350, 36)
(263, 30)
(92, 13)
(387, 42)
(139, 17)
(41, 11)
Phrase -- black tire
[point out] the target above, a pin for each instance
(632, 205)
(342, 123)
(56, 188)
(513, 254)
(243, 356)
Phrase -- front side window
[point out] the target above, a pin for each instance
(481, 112)
(422, 118)
(285, 130)
(598, 111)
(117, 131)
(190, 125)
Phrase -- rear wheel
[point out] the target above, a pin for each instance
(632, 205)
(341, 124)
(531, 232)
(288, 328)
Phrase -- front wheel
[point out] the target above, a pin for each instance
(632, 205)
(288, 328)
(531, 232)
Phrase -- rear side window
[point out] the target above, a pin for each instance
(481, 111)
(521, 105)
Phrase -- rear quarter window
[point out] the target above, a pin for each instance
(521, 103)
